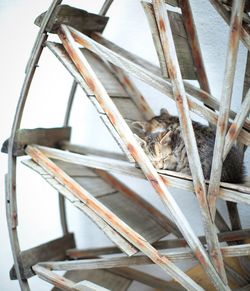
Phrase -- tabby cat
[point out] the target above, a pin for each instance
(162, 141)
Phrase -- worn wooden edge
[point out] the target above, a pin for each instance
(43, 136)
(75, 17)
(53, 250)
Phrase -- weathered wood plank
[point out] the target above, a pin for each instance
(133, 92)
(222, 124)
(104, 278)
(43, 136)
(187, 130)
(117, 224)
(53, 250)
(146, 279)
(111, 84)
(77, 18)
(155, 35)
(135, 217)
(65, 284)
(194, 44)
(145, 206)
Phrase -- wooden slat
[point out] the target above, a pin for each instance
(133, 92)
(138, 154)
(122, 228)
(65, 284)
(77, 18)
(194, 44)
(53, 250)
(43, 136)
(133, 216)
(74, 170)
(109, 231)
(104, 278)
(172, 64)
(222, 124)
(113, 87)
(76, 148)
(236, 125)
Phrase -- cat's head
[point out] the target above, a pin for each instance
(155, 125)
(158, 148)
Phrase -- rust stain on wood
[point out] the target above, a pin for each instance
(162, 25)
(235, 33)
(200, 257)
(232, 131)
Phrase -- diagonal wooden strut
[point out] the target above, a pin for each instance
(188, 133)
(222, 124)
(116, 223)
(138, 154)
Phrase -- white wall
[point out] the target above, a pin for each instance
(37, 203)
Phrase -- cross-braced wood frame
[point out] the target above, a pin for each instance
(86, 177)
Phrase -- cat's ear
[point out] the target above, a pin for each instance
(166, 138)
(141, 141)
(139, 128)
(164, 112)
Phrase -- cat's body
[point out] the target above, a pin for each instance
(162, 141)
